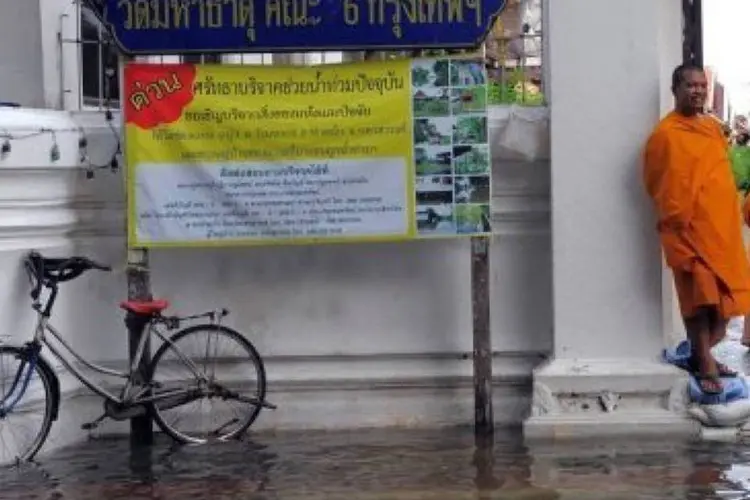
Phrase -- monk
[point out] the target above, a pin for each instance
(689, 178)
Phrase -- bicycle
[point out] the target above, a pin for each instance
(145, 392)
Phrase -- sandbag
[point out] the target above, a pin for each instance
(523, 133)
(734, 411)
(732, 414)
(731, 408)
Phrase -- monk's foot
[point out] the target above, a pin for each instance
(709, 384)
(720, 369)
(724, 371)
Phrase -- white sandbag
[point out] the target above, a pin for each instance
(732, 414)
(522, 133)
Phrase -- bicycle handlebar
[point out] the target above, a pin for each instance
(49, 272)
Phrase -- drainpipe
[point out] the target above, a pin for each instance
(61, 66)
(692, 34)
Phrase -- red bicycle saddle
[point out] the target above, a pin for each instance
(145, 307)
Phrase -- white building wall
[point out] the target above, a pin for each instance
(35, 69)
(21, 79)
(359, 335)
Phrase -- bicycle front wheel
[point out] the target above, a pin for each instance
(27, 406)
(223, 372)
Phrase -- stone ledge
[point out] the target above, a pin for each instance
(633, 424)
(386, 369)
(343, 392)
(344, 407)
(583, 398)
(613, 374)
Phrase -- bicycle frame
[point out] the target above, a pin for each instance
(128, 395)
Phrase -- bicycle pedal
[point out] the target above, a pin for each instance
(90, 426)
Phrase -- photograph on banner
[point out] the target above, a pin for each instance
(451, 149)
(231, 154)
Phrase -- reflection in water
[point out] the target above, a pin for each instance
(385, 465)
(485, 481)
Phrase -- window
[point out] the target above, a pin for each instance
(512, 52)
(100, 84)
(324, 57)
(298, 58)
(159, 59)
(201, 58)
(513, 55)
(255, 59)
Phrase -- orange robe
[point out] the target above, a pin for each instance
(688, 175)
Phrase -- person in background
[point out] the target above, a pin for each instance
(740, 125)
(688, 176)
(739, 156)
(746, 215)
(728, 134)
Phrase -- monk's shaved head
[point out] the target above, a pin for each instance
(690, 89)
(678, 75)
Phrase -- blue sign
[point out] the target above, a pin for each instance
(184, 26)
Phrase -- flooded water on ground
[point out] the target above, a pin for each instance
(384, 464)
(392, 465)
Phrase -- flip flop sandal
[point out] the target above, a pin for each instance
(715, 388)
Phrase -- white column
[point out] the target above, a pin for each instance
(610, 67)
(21, 76)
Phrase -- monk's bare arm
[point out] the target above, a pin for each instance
(665, 178)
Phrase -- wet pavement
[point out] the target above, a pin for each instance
(391, 465)
(385, 464)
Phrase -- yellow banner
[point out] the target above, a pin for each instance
(377, 151)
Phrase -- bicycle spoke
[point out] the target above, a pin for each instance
(226, 408)
(27, 396)
(2, 370)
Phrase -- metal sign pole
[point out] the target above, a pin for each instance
(139, 288)
(484, 422)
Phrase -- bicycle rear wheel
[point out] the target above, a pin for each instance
(27, 405)
(225, 373)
